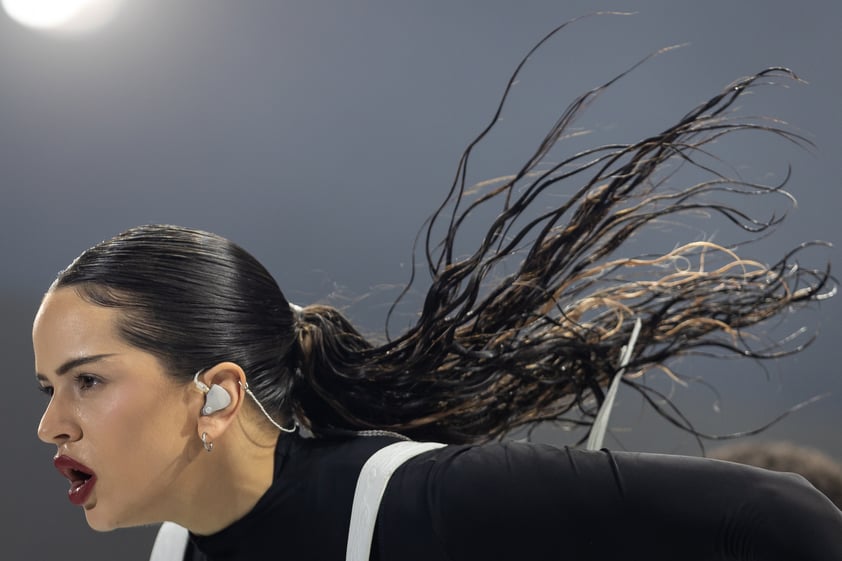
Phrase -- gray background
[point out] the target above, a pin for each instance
(320, 134)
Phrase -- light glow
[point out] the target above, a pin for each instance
(71, 16)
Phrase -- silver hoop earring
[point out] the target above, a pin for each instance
(208, 445)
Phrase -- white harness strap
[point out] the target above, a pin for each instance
(171, 541)
(370, 488)
(600, 424)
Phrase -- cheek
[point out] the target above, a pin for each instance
(142, 449)
(133, 422)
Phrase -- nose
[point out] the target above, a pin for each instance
(58, 424)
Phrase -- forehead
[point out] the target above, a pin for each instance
(65, 309)
(66, 325)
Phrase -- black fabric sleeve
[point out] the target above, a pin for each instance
(525, 501)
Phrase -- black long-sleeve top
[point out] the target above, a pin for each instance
(515, 500)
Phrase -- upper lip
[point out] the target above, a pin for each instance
(72, 469)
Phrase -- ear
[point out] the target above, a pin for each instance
(221, 388)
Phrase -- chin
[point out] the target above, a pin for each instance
(99, 526)
(100, 520)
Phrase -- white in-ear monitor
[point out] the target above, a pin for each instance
(217, 398)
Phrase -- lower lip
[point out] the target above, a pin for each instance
(78, 494)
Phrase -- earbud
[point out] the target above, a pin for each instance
(217, 398)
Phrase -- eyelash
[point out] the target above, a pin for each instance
(84, 381)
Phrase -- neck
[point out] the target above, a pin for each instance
(232, 478)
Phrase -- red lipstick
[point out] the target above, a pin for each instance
(82, 478)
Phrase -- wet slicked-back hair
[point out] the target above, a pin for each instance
(489, 351)
(193, 299)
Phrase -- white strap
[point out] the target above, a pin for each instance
(170, 543)
(371, 485)
(600, 424)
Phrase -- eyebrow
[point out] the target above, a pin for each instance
(75, 363)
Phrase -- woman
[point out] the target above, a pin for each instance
(180, 379)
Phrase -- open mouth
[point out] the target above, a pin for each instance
(82, 478)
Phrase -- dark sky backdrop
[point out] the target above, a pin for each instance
(320, 134)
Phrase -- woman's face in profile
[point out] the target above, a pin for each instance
(121, 426)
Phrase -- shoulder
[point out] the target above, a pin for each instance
(308, 456)
(486, 464)
(437, 500)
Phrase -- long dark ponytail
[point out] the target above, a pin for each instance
(491, 354)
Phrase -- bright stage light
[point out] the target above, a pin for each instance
(61, 15)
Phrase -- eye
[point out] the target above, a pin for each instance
(46, 390)
(87, 381)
